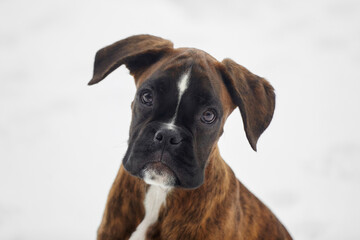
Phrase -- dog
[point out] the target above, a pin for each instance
(173, 183)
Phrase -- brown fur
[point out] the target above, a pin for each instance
(221, 208)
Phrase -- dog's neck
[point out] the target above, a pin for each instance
(157, 201)
(219, 184)
(177, 202)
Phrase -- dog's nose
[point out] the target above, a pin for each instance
(167, 135)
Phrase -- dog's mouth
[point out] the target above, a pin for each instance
(164, 167)
(158, 173)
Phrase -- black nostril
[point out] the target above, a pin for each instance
(158, 136)
(168, 136)
(175, 140)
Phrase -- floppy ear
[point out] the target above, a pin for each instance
(253, 95)
(136, 52)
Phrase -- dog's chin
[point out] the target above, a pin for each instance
(159, 174)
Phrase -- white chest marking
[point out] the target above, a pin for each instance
(182, 85)
(154, 198)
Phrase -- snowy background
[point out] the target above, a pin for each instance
(61, 142)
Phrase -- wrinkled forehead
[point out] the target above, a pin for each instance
(204, 81)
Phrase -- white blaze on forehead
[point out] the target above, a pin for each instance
(155, 197)
(182, 85)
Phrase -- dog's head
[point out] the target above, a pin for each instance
(182, 101)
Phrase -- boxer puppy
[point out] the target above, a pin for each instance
(173, 183)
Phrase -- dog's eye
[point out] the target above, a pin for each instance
(208, 116)
(146, 98)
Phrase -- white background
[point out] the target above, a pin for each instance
(62, 142)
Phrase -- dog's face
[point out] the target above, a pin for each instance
(177, 119)
(182, 100)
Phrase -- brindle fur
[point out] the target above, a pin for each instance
(221, 208)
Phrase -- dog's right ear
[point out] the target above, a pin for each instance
(136, 52)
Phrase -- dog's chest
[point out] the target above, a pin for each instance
(154, 199)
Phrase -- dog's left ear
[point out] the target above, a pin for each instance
(253, 95)
(136, 52)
